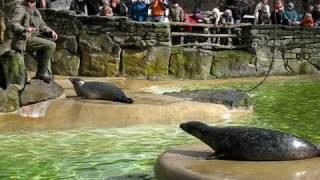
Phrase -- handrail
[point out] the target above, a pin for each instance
(204, 35)
(231, 26)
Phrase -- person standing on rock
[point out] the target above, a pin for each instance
(28, 28)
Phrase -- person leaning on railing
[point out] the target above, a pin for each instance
(158, 9)
(139, 11)
(290, 15)
(263, 4)
(176, 12)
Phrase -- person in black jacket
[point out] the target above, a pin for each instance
(93, 6)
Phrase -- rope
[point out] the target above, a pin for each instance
(273, 55)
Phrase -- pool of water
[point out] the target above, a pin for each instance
(288, 105)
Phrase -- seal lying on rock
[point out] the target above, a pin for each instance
(99, 90)
(249, 143)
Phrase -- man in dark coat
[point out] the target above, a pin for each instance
(93, 6)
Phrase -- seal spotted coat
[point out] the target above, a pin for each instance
(99, 90)
(249, 143)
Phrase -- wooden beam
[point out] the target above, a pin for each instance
(204, 35)
(231, 26)
(212, 45)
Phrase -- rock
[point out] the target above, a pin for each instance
(229, 98)
(38, 91)
(153, 61)
(233, 64)
(100, 56)
(9, 99)
(67, 42)
(65, 63)
(31, 62)
(315, 62)
(12, 69)
(191, 63)
(133, 177)
(264, 59)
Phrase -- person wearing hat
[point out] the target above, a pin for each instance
(28, 29)
(290, 15)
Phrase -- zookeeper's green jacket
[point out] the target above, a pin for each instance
(20, 20)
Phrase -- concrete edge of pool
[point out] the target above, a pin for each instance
(188, 162)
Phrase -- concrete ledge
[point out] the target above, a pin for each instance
(188, 162)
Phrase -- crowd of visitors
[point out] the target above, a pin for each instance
(162, 11)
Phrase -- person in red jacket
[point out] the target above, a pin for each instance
(307, 20)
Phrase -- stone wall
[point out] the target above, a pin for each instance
(296, 49)
(116, 46)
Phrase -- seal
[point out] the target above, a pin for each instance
(99, 90)
(251, 144)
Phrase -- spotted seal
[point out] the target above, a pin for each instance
(99, 90)
(249, 143)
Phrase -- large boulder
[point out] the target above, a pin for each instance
(264, 60)
(65, 63)
(38, 91)
(230, 98)
(191, 63)
(12, 69)
(9, 99)
(146, 63)
(100, 56)
(233, 63)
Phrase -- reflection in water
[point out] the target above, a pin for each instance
(290, 106)
(35, 110)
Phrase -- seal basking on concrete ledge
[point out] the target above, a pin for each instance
(253, 144)
(99, 90)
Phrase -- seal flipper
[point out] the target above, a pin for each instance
(125, 100)
(215, 155)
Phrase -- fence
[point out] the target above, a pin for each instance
(209, 36)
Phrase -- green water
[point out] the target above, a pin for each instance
(291, 106)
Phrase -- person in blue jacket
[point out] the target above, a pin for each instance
(139, 11)
(290, 15)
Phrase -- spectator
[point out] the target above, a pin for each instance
(139, 11)
(43, 3)
(176, 12)
(279, 6)
(310, 9)
(277, 15)
(290, 15)
(227, 18)
(264, 16)
(259, 6)
(93, 6)
(316, 14)
(78, 6)
(197, 17)
(118, 8)
(158, 8)
(28, 30)
(307, 21)
(106, 10)
(215, 16)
